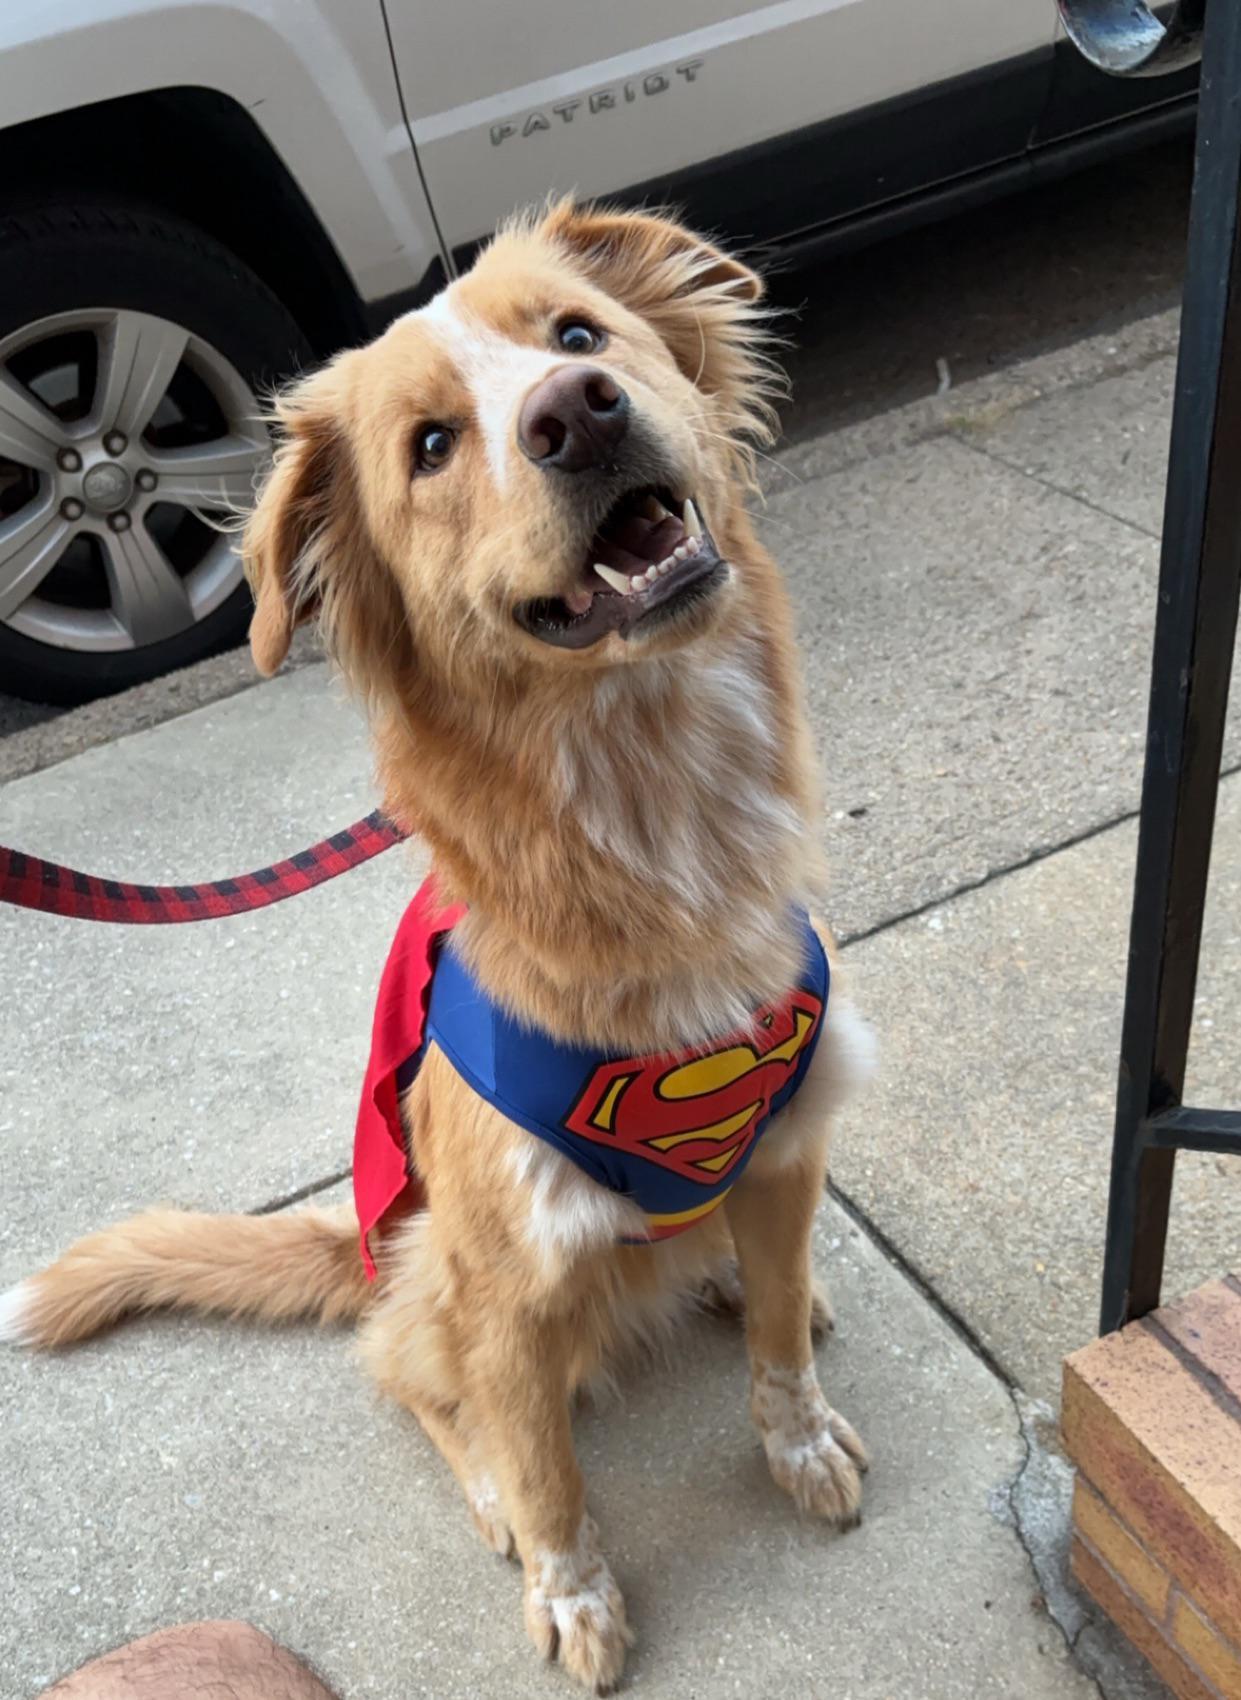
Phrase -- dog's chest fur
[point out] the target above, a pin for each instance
(671, 776)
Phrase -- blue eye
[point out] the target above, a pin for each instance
(576, 337)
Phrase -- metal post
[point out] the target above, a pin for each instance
(1199, 583)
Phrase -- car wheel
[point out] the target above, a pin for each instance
(133, 350)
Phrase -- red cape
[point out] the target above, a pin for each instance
(380, 1168)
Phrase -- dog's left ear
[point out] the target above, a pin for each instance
(304, 546)
(308, 548)
(284, 535)
(702, 302)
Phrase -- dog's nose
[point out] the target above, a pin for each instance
(573, 420)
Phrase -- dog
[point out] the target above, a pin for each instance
(520, 519)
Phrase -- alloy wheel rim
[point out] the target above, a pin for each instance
(125, 444)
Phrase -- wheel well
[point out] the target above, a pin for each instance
(179, 150)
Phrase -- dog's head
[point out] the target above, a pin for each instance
(541, 468)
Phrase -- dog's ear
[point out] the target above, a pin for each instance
(306, 501)
(646, 258)
(309, 549)
(704, 304)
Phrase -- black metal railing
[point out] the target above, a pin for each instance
(1195, 630)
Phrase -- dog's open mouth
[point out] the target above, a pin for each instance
(651, 558)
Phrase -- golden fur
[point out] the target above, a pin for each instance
(628, 824)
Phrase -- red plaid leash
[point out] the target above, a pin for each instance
(32, 883)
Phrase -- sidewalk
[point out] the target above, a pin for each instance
(975, 585)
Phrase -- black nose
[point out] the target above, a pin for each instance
(573, 420)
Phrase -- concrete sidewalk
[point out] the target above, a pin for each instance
(975, 585)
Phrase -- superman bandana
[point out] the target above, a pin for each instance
(672, 1132)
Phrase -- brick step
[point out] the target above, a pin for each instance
(1152, 1419)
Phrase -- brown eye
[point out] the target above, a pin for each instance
(432, 447)
(577, 337)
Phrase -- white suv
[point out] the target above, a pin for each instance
(203, 195)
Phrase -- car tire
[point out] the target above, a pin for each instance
(115, 563)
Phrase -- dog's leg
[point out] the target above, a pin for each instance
(813, 1453)
(723, 1291)
(573, 1607)
(450, 1432)
(415, 1356)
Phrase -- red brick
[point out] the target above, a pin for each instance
(1208, 1325)
(1129, 1617)
(1207, 1648)
(1123, 1554)
(1167, 1460)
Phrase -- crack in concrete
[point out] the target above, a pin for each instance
(1038, 1514)
(1037, 1504)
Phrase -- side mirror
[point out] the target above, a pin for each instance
(1126, 39)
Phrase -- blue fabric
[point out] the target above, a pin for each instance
(602, 1111)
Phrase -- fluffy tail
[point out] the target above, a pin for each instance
(303, 1263)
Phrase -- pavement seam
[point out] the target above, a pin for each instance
(998, 459)
(298, 1194)
(945, 416)
(1041, 853)
(916, 1279)
(962, 424)
(25, 767)
(934, 430)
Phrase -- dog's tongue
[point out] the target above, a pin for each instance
(637, 542)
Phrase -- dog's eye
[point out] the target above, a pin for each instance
(576, 337)
(432, 447)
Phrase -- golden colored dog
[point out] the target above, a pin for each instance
(519, 517)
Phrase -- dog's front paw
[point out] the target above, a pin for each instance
(822, 1474)
(813, 1453)
(575, 1612)
(488, 1515)
(822, 1316)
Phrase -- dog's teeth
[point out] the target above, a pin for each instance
(693, 545)
(690, 519)
(654, 509)
(681, 552)
(638, 582)
(611, 577)
(652, 573)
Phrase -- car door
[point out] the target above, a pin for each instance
(764, 105)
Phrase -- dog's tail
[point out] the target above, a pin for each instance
(303, 1263)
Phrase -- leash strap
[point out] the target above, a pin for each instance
(32, 883)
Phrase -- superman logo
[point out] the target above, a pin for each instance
(696, 1114)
